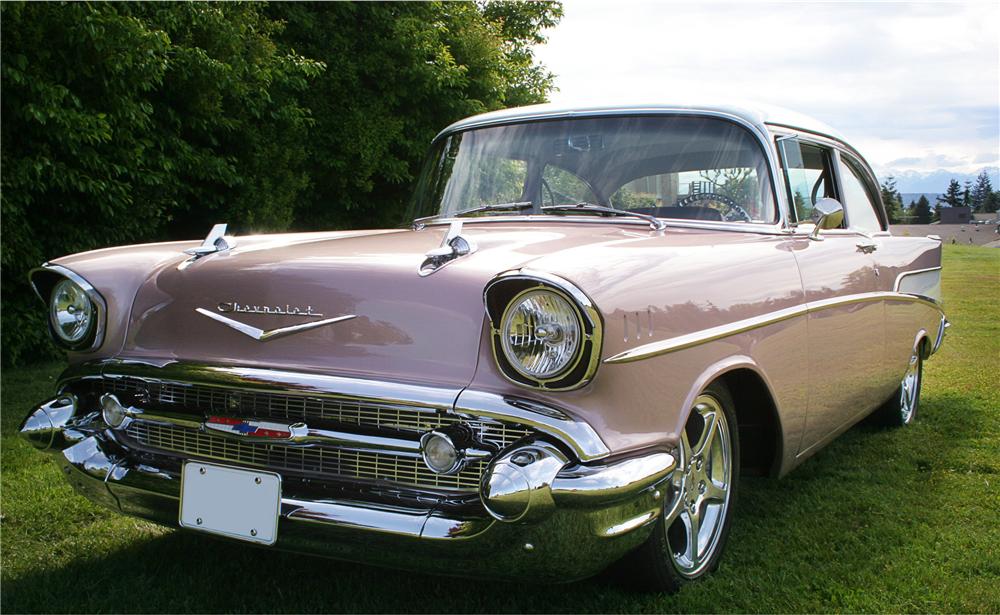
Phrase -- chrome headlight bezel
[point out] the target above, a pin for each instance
(503, 293)
(44, 281)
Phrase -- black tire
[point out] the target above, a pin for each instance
(654, 566)
(902, 407)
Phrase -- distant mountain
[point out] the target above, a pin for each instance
(934, 182)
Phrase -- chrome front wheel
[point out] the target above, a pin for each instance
(695, 516)
(690, 535)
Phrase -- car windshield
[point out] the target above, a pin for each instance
(681, 167)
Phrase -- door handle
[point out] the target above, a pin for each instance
(867, 247)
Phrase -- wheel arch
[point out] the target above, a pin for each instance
(759, 422)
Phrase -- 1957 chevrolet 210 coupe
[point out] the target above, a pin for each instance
(599, 320)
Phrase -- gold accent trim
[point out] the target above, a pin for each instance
(712, 334)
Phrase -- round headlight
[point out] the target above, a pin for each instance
(71, 312)
(439, 453)
(540, 333)
(112, 410)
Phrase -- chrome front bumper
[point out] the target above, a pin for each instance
(539, 516)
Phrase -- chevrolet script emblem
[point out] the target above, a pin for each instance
(260, 334)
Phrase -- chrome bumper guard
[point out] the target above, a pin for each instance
(541, 516)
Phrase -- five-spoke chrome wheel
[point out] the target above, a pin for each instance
(695, 514)
(698, 499)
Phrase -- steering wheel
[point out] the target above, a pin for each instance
(733, 211)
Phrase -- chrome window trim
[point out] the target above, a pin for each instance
(100, 305)
(708, 225)
(838, 146)
(712, 334)
(759, 131)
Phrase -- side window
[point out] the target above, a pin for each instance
(808, 173)
(560, 187)
(858, 200)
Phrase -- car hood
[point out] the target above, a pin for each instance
(402, 326)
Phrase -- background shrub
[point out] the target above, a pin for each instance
(133, 122)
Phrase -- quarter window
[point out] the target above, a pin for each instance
(808, 173)
(858, 200)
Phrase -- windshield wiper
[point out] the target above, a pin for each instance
(654, 222)
(514, 206)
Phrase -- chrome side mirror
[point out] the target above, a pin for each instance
(827, 213)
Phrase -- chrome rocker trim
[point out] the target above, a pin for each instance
(540, 515)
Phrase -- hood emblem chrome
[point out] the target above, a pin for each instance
(453, 246)
(216, 241)
(263, 336)
(277, 310)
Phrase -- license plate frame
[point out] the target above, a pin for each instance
(233, 502)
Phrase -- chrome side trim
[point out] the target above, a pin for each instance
(580, 436)
(712, 334)
(100, 305)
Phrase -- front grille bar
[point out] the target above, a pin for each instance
(382, 446)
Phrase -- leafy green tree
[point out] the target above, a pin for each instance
(981, 192)
(397, 74)
(128, 122)
(922, 211)
(952, 197)
(892, 200)
(131, 122)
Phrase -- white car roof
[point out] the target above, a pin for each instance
(756, 114)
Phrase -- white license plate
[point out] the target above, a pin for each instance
(232, 502)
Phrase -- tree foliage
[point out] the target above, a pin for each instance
(982, 193)
(922, 211)
(893, 200)
(132, 122)
(953, 196)
(397, 74)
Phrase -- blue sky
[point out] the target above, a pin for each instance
(914, 86)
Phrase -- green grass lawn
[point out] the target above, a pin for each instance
(904, 520)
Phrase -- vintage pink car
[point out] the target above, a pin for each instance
(599, 320)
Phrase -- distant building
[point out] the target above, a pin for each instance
(956, 215)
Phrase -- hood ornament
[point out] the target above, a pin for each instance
(216, 241)
(264, 336)
(454, 245)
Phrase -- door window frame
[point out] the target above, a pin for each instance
(837, 149)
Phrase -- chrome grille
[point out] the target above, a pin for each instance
(292, 407)
(324, 460)
(302, 459)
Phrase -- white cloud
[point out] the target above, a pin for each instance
(905, 82)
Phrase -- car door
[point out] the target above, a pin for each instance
(845, 320)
